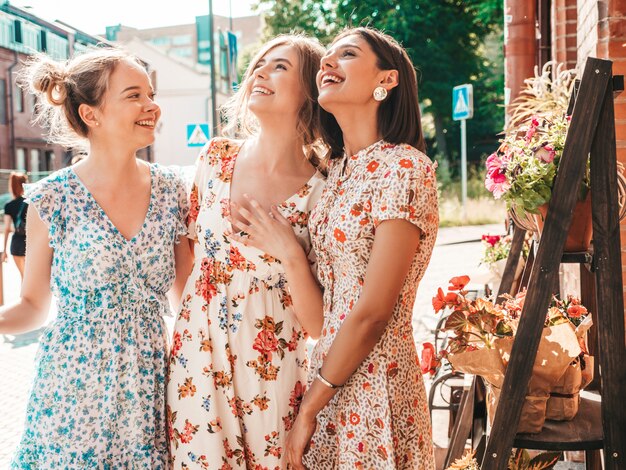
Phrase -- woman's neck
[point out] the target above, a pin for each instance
(359, 129)
(277, 149)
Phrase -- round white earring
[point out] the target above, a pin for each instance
(380, 93)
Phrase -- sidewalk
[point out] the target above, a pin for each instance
(457, 252)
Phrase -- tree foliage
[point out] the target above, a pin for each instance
(450, 42)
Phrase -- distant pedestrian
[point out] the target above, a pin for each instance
(107, 235)
(15, 218)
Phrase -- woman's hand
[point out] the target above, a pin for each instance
(271, 233)
(298, 440)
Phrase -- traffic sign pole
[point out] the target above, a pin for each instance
(462, 110)
(463, 166)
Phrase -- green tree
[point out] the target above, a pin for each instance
(450, 42)
(315, 18)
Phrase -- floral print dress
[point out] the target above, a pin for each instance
(238, 363)
(98, 397)
(379, 419)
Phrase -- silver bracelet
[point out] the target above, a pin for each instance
(321, 378)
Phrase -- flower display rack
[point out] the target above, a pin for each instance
(591, 132)
(599, 423)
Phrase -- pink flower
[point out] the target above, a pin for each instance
(546, 154)
(497, 183)
(534, 121)
(530, 133)
(493, 162)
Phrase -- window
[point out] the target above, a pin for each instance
(20, 159)
(182, 51)
(3, 101)
(35, 164)
(43, 40)
(18, 98)
(182, 40)
(49, 161)
(17, 31)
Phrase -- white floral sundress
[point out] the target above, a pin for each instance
(238, 363)
(98, 396)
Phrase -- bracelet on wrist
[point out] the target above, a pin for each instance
(321, 378)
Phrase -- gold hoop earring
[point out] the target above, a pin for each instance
(380, 93)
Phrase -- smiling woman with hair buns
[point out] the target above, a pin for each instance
(105, 237)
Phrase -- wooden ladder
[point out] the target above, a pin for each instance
(598, 424)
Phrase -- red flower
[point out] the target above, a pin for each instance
(406, 163)
(340, 236)
(194, 205)
(265, 342)
(428, 361)
(458, 283)
(491, 240)
(371, 166)
(441, 301)
(576, 311)
(176, 343)
(354, 419)
(296, 396)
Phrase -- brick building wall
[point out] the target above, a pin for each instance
(600, 32)
(565, 32)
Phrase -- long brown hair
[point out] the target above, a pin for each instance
(16, 183)
(241, 123)
(399, 117)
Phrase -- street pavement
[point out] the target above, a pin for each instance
(457, 252)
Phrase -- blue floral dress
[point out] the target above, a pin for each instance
(98, 397)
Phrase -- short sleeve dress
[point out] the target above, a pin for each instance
(238, 362)
(379, 419)
(98, 396)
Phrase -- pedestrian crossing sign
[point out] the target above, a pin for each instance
(462, 102)
(197, 134)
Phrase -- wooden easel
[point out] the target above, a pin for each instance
(592, 131)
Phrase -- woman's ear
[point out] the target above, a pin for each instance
(389, 79)
(88, 115)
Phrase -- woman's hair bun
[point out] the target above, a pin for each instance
(49, 78)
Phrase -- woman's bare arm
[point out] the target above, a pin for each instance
(31, 309)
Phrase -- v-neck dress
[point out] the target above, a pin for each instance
(98, 396)
(238, 362)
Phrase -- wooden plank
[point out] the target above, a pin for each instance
(512, 261)
(584, 432)
(610, 314)
(571, 168)
(462, 425)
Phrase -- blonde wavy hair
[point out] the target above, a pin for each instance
(241, 123)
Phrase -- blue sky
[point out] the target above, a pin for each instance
(92, 16)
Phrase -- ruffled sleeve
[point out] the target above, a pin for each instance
(406, 189)
(214, 161)
(49, 199)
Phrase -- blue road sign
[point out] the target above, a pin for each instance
(462, 102)
(197, 134)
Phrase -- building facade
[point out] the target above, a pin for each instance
(22, 144)
(569, 31)
(180, 55)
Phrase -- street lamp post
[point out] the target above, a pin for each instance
(214, 126)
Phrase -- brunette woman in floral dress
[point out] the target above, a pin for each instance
(373, 231)
(238, 361)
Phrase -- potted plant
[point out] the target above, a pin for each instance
(481, 335)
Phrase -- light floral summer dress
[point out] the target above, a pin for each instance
(238, 363)
(379, 419)
(98, 397)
